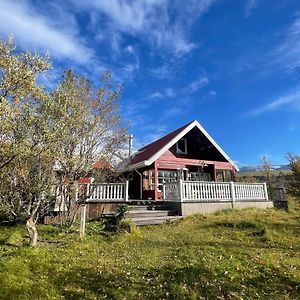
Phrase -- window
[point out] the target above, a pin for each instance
(181, 147)
(227, 175)
(223, 175)
(196, 176)
(163, 176)
(219, 176)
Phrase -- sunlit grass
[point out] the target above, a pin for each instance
(249, 254)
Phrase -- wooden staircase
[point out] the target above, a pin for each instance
(151, 214)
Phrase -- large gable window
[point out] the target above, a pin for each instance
(181, 147)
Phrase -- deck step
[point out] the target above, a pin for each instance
(145, 213)
(150, 207)
(144, 221)
(150, 213)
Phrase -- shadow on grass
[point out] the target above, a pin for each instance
(165, 282)
(174, 282)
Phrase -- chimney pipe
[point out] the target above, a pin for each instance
(130, 144)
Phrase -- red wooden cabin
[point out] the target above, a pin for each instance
(188, 153)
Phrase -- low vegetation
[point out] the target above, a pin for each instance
(249, 254)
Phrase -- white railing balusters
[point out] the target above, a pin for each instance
(214, 191)
(105, 191)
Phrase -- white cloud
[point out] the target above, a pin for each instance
(151, 20)
(34, 31)
(292, 99)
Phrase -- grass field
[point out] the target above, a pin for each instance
(250, 254)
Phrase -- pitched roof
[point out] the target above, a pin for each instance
(102, 164)
(148, 154)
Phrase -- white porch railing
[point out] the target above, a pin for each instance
(105, 191)
(202, 191)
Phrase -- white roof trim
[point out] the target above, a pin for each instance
(181, 135)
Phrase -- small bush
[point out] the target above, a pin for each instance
(95, 227)
(127, 226)
(112, 224)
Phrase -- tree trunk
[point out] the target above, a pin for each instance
(32, 232)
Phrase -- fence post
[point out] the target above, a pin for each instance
(82, 220)
(126, 190)
(233, 196)
(164, 191)
(266, 191)
(180, 190)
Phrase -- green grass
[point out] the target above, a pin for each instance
(249, 254)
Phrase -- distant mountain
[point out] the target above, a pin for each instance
(259, 168)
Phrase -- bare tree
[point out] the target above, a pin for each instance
(293, 186)
(49, 139)
(87, 125)
(267, 172)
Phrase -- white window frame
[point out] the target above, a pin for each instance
(178, 151)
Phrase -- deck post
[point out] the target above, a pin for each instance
(266, 191)
(180, 190)
(233, 196)
(126, 190)
(214, 172)
(87, 191)
(82, 220)
(156, 180)
(164, 192)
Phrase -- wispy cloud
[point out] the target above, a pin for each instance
(166, 93)
(292, 126)
(290, 100)
(191, 88)
(156, 95)
(152, 133)
(166, 71)
(151, 20)
(250, 5)
(197, 85)
(35, 31)
(129, 70)
(287, 53)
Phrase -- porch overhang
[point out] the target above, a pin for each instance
(175, 163)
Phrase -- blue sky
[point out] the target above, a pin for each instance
(233, 65)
